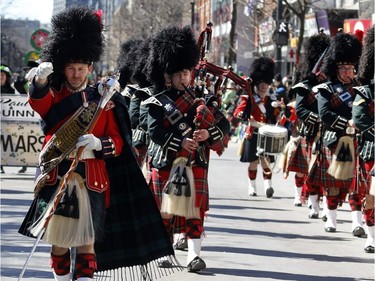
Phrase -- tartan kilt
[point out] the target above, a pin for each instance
(300, 158)
(362, 177)
(140, 154)
(161, 176)
(326, 179)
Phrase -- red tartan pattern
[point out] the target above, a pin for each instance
(160, 178)
(311, 98)
(209, 117)
(335, 101)
(326, 179)
(362, 176)
(300, 159)
(140, 154)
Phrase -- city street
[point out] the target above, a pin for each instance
(247, 238)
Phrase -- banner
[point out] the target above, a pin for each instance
(21, 135)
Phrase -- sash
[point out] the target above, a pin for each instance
(343, 94)
(174, 115)
(64, 108)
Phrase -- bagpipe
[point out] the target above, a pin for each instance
(212, 92)
(204, 68)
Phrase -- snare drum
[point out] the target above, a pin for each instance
(271, 139)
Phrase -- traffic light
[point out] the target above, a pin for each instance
(282, 34)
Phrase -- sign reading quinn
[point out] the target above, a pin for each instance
(21, 135)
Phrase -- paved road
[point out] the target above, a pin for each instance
(247, 238)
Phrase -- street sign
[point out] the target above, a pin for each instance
(38, 38)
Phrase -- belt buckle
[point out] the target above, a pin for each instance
(174, 117)
(350, 130)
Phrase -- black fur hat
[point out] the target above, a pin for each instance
(345, 48)
(366, 62)
(262, 70)
(141, 56)
(172, 49)
(126, 61)
(76, 36)
(313, 48)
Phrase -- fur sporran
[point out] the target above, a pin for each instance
(71, 224)
(179, 192)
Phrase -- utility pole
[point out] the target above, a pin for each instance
(192, 14)
(278, 46)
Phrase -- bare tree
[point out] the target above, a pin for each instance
(141, 20)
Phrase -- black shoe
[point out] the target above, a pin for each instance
(314, 216)
(22, 170)
(253, 194)
(298, 204)
(358, 231)
(369, 249)
(165, 264)
(269, 192)
(181, 244)
(330, 229)
(196, 264)
(324, 218)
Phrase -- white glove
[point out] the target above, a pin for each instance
(111, 84)
(31, 74)
(90, 142)
(44, 69)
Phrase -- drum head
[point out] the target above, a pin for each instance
(273, 130)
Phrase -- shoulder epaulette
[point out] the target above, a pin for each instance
(151, 100)
(300, 85)
(324, 86)
(365, 92)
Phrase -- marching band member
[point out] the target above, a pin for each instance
(126, 62)
(307, 112)
(263, 112)
(363, 119)
(180, 147)
(335, 99)
(106, 209)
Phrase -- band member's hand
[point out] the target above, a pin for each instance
(31, 74)
(110, 84)
(201, 135)
(239, 115)
(44, 70)
(189, 144)
(90, 142)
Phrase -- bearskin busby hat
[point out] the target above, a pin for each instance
(172, 49)
(126, 61)
(76, 36)
(366, 63)
(345, 48)
(262, 70)
(313, 48)
(141, 56)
